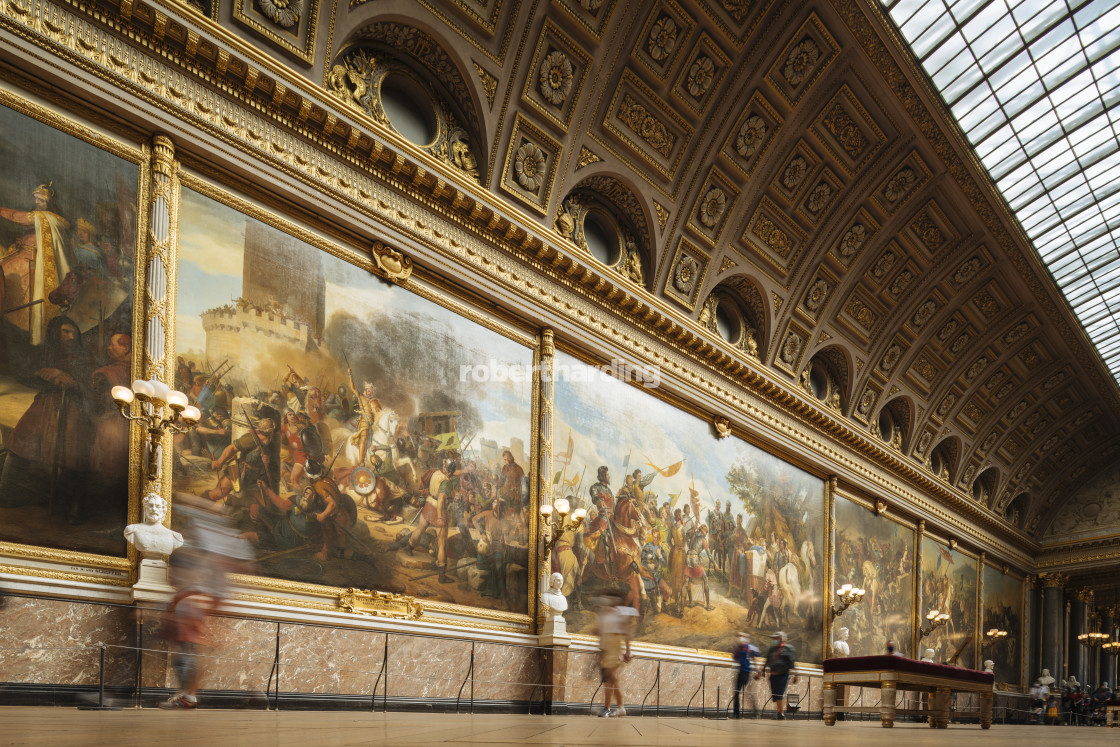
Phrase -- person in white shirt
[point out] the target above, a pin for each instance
(615, 629)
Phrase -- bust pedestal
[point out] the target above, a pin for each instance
(152, 584)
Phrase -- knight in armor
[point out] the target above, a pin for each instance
(601, 496)
(653, 563)
(715, 535)
(694, 564)
(369, 409)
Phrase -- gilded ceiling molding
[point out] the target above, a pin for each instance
(453, 223)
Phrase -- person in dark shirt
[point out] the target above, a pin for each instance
(779, 662)
(744, 654)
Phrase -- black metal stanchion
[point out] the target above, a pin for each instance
(100, 690)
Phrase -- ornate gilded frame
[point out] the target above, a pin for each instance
(70, 565)
(888, 513)
(585, 354)
(432, 288)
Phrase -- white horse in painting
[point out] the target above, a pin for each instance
(382, 441)
(789, 580)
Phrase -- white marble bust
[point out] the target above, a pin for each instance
(1072, 682)
(928, 656)
(555, 603)
(840, 645)
(989, 666)
(152, 539)
(1046, 679)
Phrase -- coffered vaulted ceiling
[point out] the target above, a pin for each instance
(792, 155)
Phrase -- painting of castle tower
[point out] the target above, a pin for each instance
(282, 303)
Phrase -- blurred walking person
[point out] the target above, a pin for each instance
(779, 662)
(744, 654)
(211, 549)
(615, 629)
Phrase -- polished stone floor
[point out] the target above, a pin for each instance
(60, 727)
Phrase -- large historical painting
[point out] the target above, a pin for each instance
(1003, 610)
(703, 536)
(876, 554)
(67, 244)
(359, 434)
(949, 579)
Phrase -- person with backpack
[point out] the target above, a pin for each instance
(744, 654)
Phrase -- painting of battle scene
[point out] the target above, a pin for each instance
(67, 243)
(949, 581)
(346, 427)
(876, 554)
(703, 536)
(1003, 610)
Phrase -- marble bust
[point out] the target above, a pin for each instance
(555, 603)
(989, 666)
(928, 655)
(152, 539)
(1072, 682)
(840, 645)
(1046, 679)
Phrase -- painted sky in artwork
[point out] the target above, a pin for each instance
(211, 255)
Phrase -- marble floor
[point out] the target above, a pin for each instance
(61, 727)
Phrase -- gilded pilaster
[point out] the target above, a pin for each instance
(979, 627)
(546, 353)
(826, 590)
(919, 612)
(159, 283)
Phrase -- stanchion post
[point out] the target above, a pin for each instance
(100, 688)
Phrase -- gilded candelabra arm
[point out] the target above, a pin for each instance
(934, 620)
(153, 397)
(847, 595)
(992, 636)
(555, 521)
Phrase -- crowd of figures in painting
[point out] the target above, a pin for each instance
(874, 553)
(67, 242)
(703, 536)
(949, 585)
(337, 429)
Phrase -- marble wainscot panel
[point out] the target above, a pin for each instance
(583, 676)
(507, 672)
(329, 660)
(422, 667)
(638, 679)
(238, 656)
(67, 650)
(679, 682)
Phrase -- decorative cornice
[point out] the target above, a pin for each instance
(332, 152)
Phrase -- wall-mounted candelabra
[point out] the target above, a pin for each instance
(846, 596)
(992, 636)
(934, 620)
(555, 520)
(153, 397)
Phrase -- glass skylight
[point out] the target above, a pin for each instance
(1035, 85)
